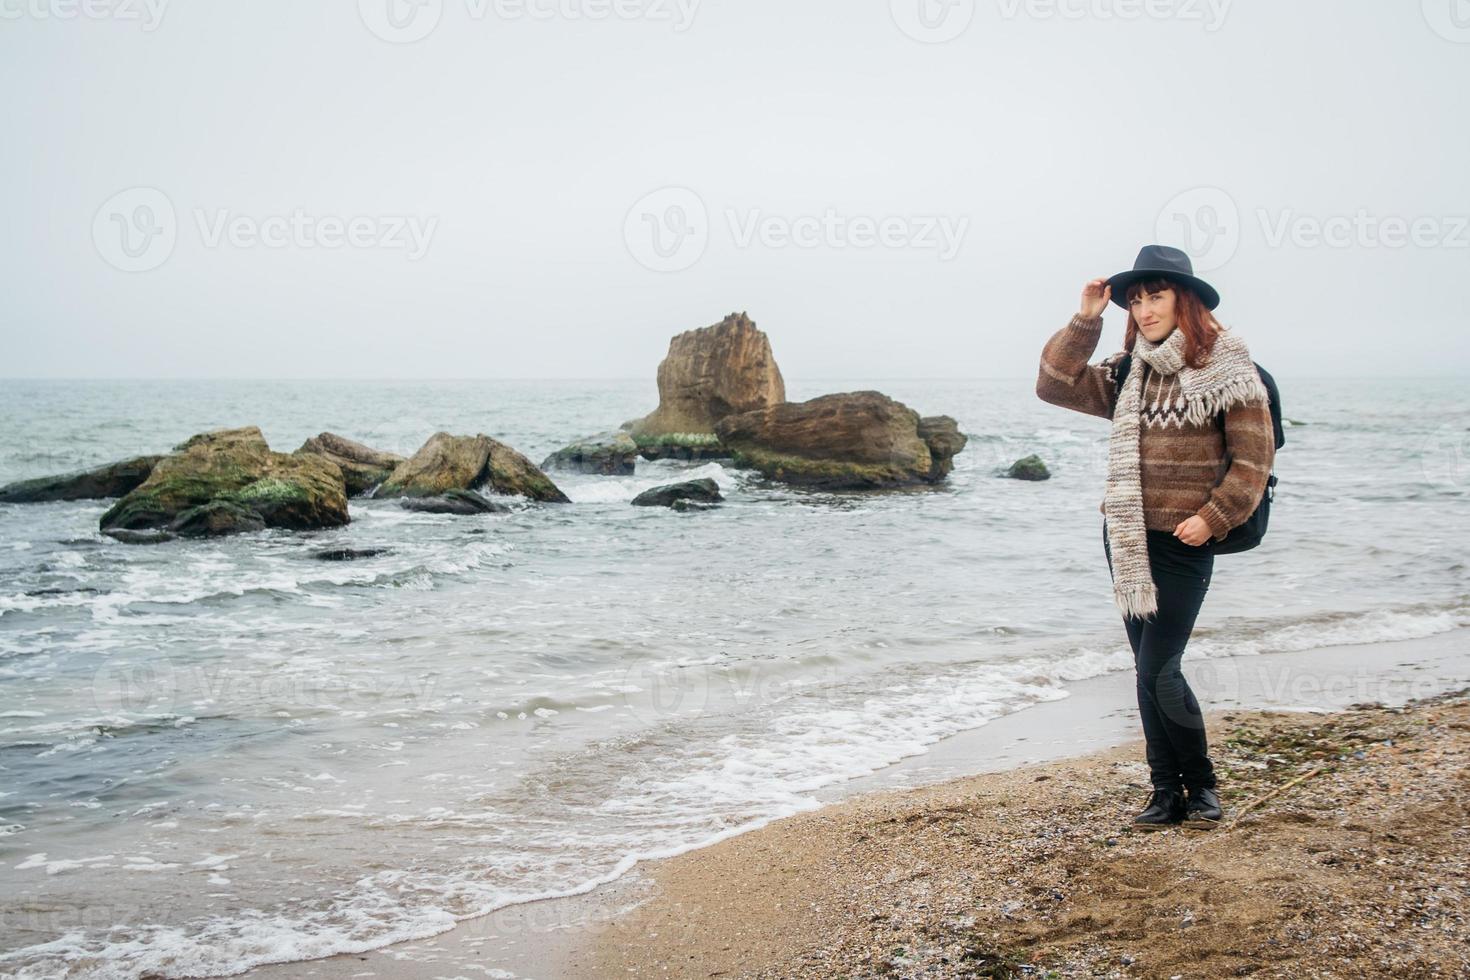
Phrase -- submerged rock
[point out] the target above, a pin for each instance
(710, 373)
(684, 504)
(690, 447)
(846, 441)
(703, 490)
(607, 453)
(140, 537)
(1029, 468)
(348, 554)
(237, 472)
(362, 467)
(111, 480)
(454, 502)
(449, 462)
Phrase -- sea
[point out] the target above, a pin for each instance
(229, 752)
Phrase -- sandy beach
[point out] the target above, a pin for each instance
(1358, 870)
(1348, 858)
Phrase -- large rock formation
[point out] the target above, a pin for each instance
(229, 480)
(708, 374)
(449, 462)
(111, 480)
(362, 468)
(850, 440)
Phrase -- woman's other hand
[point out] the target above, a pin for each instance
(1192, 530)
(1095, 297)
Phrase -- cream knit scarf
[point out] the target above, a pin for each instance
(1229, 376)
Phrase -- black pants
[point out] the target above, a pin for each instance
(1173, 726)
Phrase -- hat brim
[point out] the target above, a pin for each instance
(1123, 280)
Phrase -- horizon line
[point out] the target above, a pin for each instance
(803, 378)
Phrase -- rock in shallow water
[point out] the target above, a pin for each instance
(362, 467)
(685, 505)
(704, 491)
(709, 373)
(111, 480)
(237, 472)
(449, 462)
(349, 554)
(140, 537)
(462, 502)
(607, 453)
(846, 441)
(1029, 468)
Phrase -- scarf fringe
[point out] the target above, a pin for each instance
(1242, 391)
(1141, 601)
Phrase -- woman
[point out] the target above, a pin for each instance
(1190, 453)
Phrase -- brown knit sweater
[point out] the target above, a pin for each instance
(1186, 469)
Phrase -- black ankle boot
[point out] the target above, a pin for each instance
(1202, 811)
(1165, 809)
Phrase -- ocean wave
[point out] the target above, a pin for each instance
(592, 489)
(205, 586)
(1241, 637)
(668, 789)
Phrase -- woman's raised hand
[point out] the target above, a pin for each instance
(1095, 296)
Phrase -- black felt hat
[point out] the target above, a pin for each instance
(1162, 262)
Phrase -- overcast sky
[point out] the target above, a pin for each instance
(553, 188)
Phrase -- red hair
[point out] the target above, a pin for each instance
(1198, 324)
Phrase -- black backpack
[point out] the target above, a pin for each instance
(1246, 536)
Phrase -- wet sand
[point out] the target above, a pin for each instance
(1029, 861)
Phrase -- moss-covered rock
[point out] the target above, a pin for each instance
(607, 453)
(111, 480)
(362, 467)
(825, 474)
(703, 490)
(692, 447)
(1029, 468)
(237, 472)
(846, 441)
(448, 462)
(511, 472)
(216, 518)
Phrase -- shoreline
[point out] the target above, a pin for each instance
(1096, 725)
(1341, 855)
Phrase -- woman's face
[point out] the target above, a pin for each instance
(1154, 313)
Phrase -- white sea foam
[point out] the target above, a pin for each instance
(704, 792)
(589, 489)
